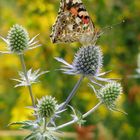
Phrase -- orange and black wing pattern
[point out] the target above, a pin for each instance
(72, 23)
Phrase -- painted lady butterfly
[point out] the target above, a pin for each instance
(73, 24)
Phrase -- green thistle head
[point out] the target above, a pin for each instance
(46, 107)
(18, 39)
(110, 93)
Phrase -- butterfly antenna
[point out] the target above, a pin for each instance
(107, 28)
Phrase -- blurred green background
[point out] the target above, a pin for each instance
(120, 47)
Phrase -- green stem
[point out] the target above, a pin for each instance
(73, 92)
(83, 116)
(92, 110)
(27, 79)
(45, 124)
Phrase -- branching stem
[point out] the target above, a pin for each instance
(73, 92)
(27, 79)
(71, 95)
(83, 116)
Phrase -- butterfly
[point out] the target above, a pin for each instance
(73, 24)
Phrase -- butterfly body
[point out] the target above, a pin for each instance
(73, 24)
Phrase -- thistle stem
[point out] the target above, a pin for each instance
(92, 110)
(73, 92)
(45, 124)
(83, 116)
(27, 79)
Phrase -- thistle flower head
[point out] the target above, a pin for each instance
(46, 107)
(88, 60)
(110, 93)
(18, 40)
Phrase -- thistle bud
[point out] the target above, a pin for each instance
(110, 93)
(46, 107)
(18, 39)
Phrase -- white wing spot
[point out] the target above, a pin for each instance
(77, 1)
(70, 27)
(78, 20)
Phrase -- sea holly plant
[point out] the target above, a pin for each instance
(88, 62)
(18, 42)
(47, 107)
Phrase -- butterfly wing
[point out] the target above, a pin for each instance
(73, 22)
